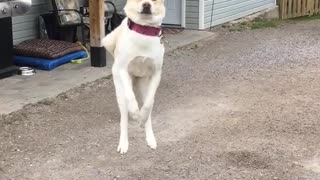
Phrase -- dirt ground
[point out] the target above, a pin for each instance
(242, 105)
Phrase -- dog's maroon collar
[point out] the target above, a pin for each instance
(144, 30)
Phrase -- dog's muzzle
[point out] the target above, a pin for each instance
(146, 8)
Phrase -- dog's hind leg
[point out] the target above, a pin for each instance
(123, 141)
(150, 138)
(149, 94)
(145, 85)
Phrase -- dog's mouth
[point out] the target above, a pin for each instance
(146, 11)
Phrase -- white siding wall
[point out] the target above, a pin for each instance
(228, 10)
(26, 26)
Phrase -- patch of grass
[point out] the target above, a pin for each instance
(241, 27)
(257, 24)
(307, 18)
(261, 24)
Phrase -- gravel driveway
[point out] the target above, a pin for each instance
(242, 105)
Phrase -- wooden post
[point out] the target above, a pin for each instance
(299, 7)
(290, 8)
(97, 32)
(283, 9)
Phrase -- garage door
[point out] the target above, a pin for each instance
(173, 13)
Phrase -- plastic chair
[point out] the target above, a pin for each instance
(69, 17)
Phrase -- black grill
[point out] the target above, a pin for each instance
(8, 9)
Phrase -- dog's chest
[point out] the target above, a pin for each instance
(141, 67)
(142, 45)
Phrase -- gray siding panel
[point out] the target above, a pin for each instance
(26, 26)
(192, 14)
(228, 10)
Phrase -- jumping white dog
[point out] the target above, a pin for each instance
(138, 57)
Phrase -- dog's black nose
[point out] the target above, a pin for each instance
(146, 8)
(146, 5)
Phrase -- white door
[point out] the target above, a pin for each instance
(173, 12)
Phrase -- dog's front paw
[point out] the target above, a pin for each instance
(123, 147)
(135, 115)
(144, 115)
(151, 141)
(134, 112)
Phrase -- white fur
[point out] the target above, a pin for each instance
(136, 70)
